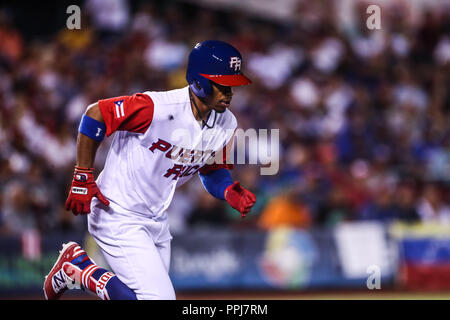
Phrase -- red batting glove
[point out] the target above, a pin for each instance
(82, 190)
(239, 198)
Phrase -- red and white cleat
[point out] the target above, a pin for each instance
(63, 274)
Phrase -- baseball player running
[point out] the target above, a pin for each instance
(162, 139)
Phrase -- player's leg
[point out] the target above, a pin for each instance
(164, 252)
(142, 270)
(74, 269)
(127, 243)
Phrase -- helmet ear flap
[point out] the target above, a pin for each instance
(201, 87)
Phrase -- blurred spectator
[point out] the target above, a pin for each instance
(432, 207)
(165, 55)
(364, 116)
(381, 208)
(356, 138)
(334, 210)
(207, 212)
(11, 49)
(286, 210)
(109, 16)
(17, 210)
(404, 201)
(276, 65)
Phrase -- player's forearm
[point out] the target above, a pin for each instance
(216, 182)
(86, 150)
(86, 144)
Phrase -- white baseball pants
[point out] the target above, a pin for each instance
(136, 248)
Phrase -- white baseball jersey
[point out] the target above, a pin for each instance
(158, 146)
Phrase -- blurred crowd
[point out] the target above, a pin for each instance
(364, 115)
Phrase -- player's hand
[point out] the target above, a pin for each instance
(240, 198)
(82, 190)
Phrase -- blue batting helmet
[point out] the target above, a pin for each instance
(216, 61)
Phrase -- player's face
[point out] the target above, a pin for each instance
(220, 98)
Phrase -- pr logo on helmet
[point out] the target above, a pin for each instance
(235, 63)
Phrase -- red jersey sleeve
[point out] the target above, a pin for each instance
(127, 113)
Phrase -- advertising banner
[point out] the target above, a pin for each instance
(364, 246)
(211, 259)
(24, 262)
(280, 259)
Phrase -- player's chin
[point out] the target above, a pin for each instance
(221, 107)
